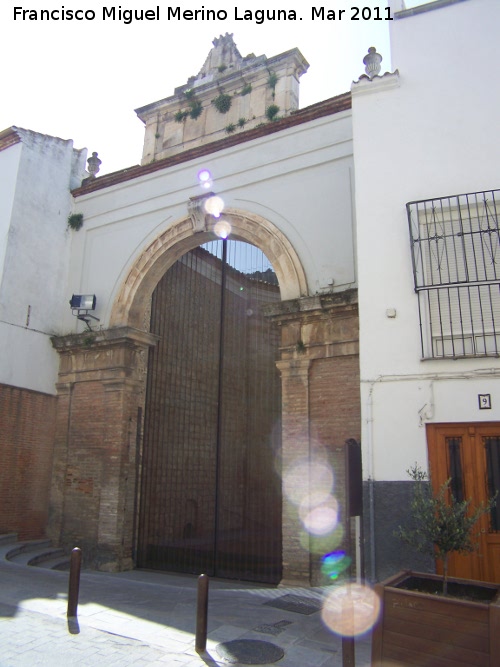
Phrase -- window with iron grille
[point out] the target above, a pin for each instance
(455, 243)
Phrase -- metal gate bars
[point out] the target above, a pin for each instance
(210, 492)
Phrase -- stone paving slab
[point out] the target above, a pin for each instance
(144, 618)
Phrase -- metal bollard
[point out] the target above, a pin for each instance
(201, 614)
(74, 582)
(348, 655)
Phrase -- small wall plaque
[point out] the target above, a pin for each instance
(484, 401)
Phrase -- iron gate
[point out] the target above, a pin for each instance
(210, 498)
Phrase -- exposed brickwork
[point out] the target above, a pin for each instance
(321, 409)
(335, 416)
(93, 485)
(26, 442)
(95, 467)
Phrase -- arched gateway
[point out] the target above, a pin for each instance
(188, 469)
(210, 484)
(209, 489)
(157, 462)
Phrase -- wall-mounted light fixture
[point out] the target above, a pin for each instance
(81, 304)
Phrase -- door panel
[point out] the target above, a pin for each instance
(469, 455)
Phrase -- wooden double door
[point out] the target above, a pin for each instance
(469, 455)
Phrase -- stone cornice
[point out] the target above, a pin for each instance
(92, 339)
(293, 56)
(326, 108)
(284, 310)
(366, 85)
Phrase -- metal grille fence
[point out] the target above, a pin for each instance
(210, 488)
(455, 244)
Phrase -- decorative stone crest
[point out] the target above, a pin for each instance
(222, 57)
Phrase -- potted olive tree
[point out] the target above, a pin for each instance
(431, 620)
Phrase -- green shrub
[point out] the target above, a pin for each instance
(440, 525)
(222, 103)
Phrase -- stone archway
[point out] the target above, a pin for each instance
(101, 380)
(129, 305)
(100, 392)
(134, 297)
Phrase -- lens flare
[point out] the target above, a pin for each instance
(204, 175)
(205, 179)
(222, 229)
(322, 544)
(322, 518)
(304, 475)
(334, 563)
(350, 610)
(214, 206)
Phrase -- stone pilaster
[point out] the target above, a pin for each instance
(320, 410)
(100, 393)
(295, 447)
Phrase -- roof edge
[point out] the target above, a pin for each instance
(320, 109)
(9, 137)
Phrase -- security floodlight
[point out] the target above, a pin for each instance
(80, 306)
(83, 302)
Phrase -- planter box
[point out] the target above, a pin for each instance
(416, 628)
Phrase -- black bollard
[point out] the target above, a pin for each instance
(348, 659)
(201, 614)
(74, 582)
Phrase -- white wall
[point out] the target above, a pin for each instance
(429, 132)
(299, 179)
(9, 165)
(33, 293)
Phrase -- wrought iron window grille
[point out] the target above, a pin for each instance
(455, 246)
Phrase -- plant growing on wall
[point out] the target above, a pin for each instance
(195, 107)
(230, 128)
(242, 122)
(246, 90)
(440, 525)
(300, 346)
(222, 103)
(75, 221)
(181, 116)
(272, 81)
(272, 112)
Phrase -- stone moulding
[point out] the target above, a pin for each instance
(155, 259)
(105, 336)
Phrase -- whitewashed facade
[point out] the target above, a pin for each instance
(323, 193)
(424, 131)
(37, 173)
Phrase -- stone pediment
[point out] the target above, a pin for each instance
(230, 94)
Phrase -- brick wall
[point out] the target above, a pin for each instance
(27, 421)
(335, 415)
(100, 392)
(321, 409)
(92, 501)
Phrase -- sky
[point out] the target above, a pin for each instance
(82, 80)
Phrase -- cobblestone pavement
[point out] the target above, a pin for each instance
(146, 618)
